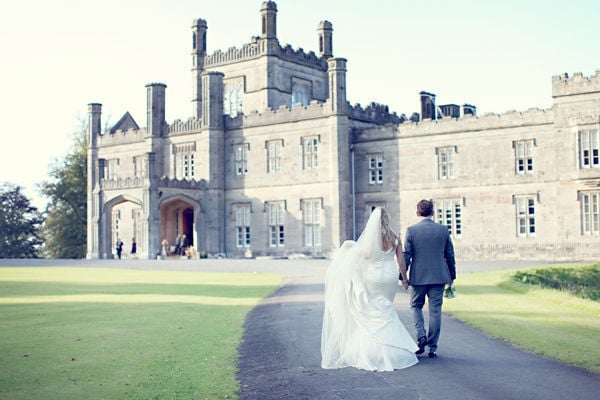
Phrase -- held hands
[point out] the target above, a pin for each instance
(403, 281)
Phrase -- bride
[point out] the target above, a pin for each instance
(360, 325)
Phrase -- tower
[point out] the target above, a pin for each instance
(337, 84)
(269, 20)
(324, 32)
(198, 54)
(156, 123)
(94, 170)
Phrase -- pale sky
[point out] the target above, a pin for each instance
(58, 56)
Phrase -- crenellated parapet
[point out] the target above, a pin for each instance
(189, 126)
(565, 85)
(258, 48)
(166, 182)
(120, 137)
(233, 54)
(283, 114)
(375, 113)
(300, 57)
(486, 122)
(122, 183)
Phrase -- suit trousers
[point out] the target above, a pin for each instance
(435, 296)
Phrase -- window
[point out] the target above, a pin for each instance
(588, 149)
(375, 169)
(371, 206)
(274, 155)
(116, 220)
(590, 213)
(449, 213)
(232, 98)
(184, 160)
(525, 208)
(309, 149)
(139, 166)
(112, 169)
(241, 159)
(185, 166)
(242, 224)
(275, 212)
(523, 156)
(446, 162)
(312, 222)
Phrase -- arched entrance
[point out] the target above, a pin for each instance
(124, 222)
(177, 220)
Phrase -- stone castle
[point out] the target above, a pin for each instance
(274, 161)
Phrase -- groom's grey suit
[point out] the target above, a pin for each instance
(429, 257)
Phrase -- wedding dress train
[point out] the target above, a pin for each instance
(360, 325)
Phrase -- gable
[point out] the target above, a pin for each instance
(125, 123)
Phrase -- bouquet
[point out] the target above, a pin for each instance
(450, 292)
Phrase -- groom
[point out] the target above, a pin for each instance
(429, 255)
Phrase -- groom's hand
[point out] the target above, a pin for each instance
(405, 284)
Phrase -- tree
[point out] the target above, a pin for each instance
(20, 224)
(65, 229)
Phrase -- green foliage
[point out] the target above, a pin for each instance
(582, 281)
(20, 224)
(65, 230)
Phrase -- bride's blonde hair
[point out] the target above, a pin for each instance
(388, 236)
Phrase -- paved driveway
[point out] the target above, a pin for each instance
(280, 356)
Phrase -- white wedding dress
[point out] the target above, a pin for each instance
(360, 325)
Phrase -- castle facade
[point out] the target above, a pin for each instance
(275, 162)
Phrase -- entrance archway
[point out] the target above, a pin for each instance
(177, 220)
(123, 219)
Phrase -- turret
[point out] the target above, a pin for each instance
(155, 100)
(198, 55)
(94, 123)
(268, 13)
(337, 84)
(212, 106)
(324, 31)
(95, 167)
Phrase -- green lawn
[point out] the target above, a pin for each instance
(70, 333)
(549, 322)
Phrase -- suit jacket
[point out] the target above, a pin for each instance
(429, 253)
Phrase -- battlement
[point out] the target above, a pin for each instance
(300, 57)
(283, 114)
(122, 183)
(258, 48)
(248, 51)
(179, 126)
(469, 123)
(166, 182)
(375, 113)
(563, 85)
(119, 137)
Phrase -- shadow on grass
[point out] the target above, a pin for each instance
(21, 289)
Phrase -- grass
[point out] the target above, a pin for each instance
(545, 321)
(69, 333)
